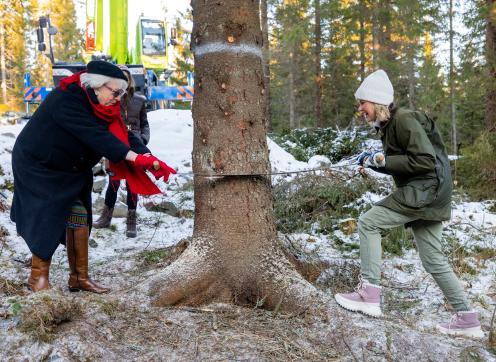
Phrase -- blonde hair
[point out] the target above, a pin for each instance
(382, 112)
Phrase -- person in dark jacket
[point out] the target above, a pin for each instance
(133, 111)
(414, 155)
(52, 160)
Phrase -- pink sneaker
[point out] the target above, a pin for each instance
(366, 299)
(463, 324)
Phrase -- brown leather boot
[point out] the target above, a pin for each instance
(104, 219)
(77, 253)
(38, 280)
(131, 231)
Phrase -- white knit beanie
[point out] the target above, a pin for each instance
(376, 88)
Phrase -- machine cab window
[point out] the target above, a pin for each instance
(153, 34)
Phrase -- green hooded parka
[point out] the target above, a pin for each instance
(417, 160)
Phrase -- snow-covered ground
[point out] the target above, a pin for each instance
(407, 283)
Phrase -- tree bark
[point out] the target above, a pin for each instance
(361, 43)
(292, 98)
(3, 73)
(318, 67)
(491, 61)
(266, 60)
(411, 77)
(388, 45)
(452, 83)
(375, 39)
(382, 34)
(234, 255)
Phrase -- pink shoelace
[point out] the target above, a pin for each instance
(359, 289)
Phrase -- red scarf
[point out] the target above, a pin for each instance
(136, 177)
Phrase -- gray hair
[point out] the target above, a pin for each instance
(382, 113)
(91, 80)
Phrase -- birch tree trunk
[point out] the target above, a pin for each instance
(234, 255)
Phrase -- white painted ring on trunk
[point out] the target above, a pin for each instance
(219, 47)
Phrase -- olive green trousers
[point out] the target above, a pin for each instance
(428, 240)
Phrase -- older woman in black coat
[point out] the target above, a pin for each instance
(52, 160)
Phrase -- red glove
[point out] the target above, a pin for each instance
(145, 161)
(154, 165)
(164, 171)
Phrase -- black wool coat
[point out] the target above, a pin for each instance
(52, 164)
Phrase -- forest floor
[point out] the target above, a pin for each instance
(61, 326)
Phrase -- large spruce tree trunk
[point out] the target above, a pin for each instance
(234, 255)
(491, 62)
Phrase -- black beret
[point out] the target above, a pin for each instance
(105, 68)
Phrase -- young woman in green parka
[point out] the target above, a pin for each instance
(415, 156)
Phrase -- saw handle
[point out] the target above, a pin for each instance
(379, 158)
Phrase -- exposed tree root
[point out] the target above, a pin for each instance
(188, 280)
(273, 283)
(290, 292)
(309, 269)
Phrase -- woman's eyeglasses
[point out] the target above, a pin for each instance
(115, 93)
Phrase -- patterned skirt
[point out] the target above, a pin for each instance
(78, 216)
